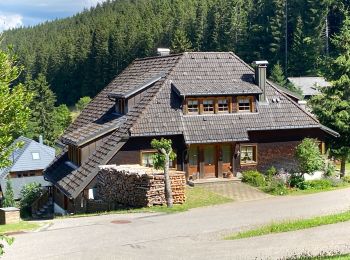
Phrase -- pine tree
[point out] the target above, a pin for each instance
(277, 75)
(180, 42)
(42, 106)
(332, 107)
(9, 197)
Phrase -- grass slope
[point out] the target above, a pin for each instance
(195, 198)
(21, 226)
(292, 225)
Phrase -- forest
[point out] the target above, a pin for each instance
(79, 55)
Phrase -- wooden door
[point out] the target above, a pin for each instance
(226, 157)
(210, 161)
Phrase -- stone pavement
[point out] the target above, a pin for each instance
(195, 234)
(236, 190)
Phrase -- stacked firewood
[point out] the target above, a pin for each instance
(138, 186)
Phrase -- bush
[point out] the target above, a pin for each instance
(309, 156)
(319, 184)
(254, 178)
(270, 173)
(276, 187)
(297, 181)
(329, 168)
(29, 193)
(346, 178)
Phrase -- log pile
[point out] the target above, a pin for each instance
(138, 186)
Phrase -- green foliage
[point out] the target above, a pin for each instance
(277, 75)
(329, 168)
(29, 193)
(46, 119)
(9, 198)
(309, 156)
(82, 103)
(332, 107)
(14, 106)
(81, 54)
(8, 240)
(318, 184)
(346, 178)
(180, 43)
(276, 186)
(292, 225)
(61, 120)
(297, 181)
(254, 178)
(159, 158)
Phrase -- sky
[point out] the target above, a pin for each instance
(16, 13)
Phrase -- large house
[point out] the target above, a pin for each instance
(221, 114)
(28, 162)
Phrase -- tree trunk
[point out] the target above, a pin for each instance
(168, 191)
(342, 166)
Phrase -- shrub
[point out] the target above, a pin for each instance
(346, 178)
(309, 156)
(319, 184)
(297, 181)
(29, 193)
(9, 199)
(329, 168)
(277, 187)
(254, 178)
(270, 173)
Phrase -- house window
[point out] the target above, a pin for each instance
(208, 106)
(147, 159)
(193, 156)
(248, 154)
(192, 106)
(222, 105)
(35, 156)
(244, 105)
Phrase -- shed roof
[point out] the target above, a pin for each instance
(309, 85)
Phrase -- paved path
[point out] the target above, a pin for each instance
(236, 190)
(195, 234)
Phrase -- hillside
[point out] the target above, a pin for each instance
(81, 54)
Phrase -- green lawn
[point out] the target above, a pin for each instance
(195, 197)
(21, 226)
(297, 192)
(292, 225)
(322, 256)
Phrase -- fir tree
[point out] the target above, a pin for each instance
(277, 75)
(180, 42)
(9, 198)
(332, 107)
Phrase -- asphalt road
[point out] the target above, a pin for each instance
(196, 234)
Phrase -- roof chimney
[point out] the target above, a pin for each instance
(260, 77)
(163, 51)
(41, 139)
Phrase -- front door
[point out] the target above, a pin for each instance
(210, 161)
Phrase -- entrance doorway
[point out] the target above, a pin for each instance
(210, 161)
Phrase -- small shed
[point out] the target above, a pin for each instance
(10, 215)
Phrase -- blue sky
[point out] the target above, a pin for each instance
(14, 13)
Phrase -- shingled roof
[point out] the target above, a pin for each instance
(168, 79)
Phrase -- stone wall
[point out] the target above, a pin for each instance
(137, 186)
(277, 154)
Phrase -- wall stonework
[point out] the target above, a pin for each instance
(277, 154)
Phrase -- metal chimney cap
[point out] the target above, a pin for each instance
(163, 51)
(261, 62)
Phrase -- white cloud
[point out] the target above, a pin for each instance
(10, 21)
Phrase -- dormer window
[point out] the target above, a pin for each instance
(120, 106)
(223, 105)
(244, 104)
(208, 106)
(192, 106)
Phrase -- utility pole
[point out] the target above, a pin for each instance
(286, 41)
